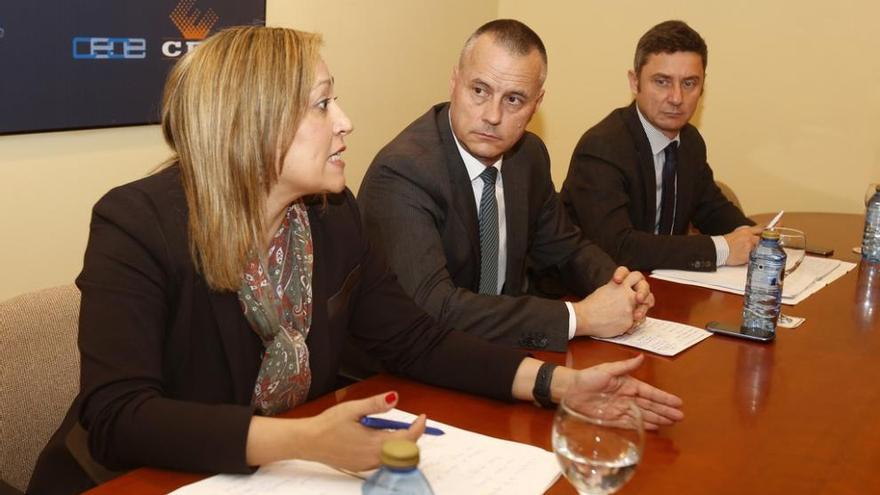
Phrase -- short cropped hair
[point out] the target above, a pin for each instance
(513, 35)
(669, 37)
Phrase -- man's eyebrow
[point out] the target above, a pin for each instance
(669, 76)
(481, 82)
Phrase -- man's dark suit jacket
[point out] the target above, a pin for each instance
(610, 191)
(418, 204)
(168, 365)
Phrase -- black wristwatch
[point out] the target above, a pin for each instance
(541, 391)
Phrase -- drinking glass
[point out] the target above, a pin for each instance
(598, 439)
(794, 243)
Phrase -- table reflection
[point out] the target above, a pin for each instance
(754, 375)
(867, 298)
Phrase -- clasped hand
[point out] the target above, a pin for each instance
(617, 307)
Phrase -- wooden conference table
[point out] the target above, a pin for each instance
(799, 415)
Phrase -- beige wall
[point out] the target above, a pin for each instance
(807, 120)
(791, 112)
(48, 184)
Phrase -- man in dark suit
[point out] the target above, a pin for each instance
(463, 196)
(639, 178)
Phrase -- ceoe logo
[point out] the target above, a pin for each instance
(109, 48)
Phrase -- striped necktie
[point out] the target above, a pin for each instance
(489, 233)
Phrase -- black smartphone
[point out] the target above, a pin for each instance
(820, 251)
(740, 331)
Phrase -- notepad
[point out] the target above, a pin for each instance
(663, 337)
(460, 461)
(813, 274)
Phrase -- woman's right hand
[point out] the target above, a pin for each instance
(335, 437)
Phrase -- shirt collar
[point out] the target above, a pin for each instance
(474, 167)
(656, 138)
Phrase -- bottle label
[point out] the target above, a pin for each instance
(765, 275)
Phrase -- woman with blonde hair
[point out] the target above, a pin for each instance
(220, 290)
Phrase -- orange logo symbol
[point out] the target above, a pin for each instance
(192, 24)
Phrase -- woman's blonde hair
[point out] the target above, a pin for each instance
(230, 110)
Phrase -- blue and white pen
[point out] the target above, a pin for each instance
(390, 424)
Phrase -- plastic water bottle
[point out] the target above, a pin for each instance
(399, 473)
(871, 238)
(764, 284)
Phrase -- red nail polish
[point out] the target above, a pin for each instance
(390, 398)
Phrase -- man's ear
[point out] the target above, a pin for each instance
(452, 79)
(633, 81)
(540, 99)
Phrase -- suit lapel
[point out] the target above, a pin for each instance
(462, 195)
(646, 166)
(514, 173)
(683, 192)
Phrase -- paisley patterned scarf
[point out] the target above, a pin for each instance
(276, 296)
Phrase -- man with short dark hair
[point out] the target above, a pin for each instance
(639, 178)
(463, 196)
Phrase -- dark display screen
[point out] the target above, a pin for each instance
(73, 64)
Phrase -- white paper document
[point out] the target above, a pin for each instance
(663, 337)
(457, 462)
(813, 274)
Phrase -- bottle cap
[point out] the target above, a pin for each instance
(400, 453)
(770, 234)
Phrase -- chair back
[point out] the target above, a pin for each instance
(39, 374)
(728, 192)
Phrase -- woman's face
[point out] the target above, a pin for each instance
(313, 164)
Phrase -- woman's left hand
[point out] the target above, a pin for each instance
(659, 408)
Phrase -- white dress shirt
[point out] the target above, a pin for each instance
(474, 169)
(659, 142)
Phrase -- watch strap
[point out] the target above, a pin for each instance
(541, 390)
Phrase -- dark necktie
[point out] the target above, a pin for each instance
(489, 233)
(667, 202)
